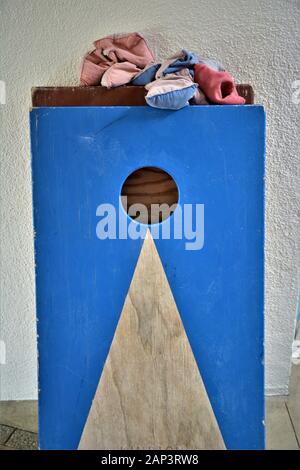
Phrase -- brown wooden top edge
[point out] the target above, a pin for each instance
(126, 95)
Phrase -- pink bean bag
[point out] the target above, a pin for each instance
(219, 87)
(115, 49)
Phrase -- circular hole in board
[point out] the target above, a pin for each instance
(149, 195)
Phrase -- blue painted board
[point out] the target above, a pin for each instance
(80, 159)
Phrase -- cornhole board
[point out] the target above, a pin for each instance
(143, 343)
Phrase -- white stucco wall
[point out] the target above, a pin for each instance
(42, 42)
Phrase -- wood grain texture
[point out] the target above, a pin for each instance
(101, 96)
(150, 186)
(150, 394)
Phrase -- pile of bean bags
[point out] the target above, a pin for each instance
(183, 78)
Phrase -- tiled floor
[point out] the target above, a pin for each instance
(18, 421)
(18, 425)
(283, 417)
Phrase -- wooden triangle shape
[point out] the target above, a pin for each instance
(150, 394)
